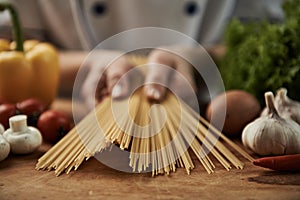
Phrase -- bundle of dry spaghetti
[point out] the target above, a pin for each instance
(158, 136)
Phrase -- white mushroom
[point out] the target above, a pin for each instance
(23, 139)
(1, 129)
(4, 145)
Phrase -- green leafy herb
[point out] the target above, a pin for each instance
(263, 56)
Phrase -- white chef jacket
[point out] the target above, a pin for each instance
(82, 24)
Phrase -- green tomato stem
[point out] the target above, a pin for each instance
(17, 30)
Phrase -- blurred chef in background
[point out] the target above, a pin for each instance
(77, 26)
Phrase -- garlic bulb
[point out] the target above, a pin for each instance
(286, 108)
(272, 134)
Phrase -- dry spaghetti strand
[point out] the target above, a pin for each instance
(155, 137)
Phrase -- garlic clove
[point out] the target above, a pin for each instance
(287, 107)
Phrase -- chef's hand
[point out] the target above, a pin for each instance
(171, 71)
(106, 68)
(156, 74)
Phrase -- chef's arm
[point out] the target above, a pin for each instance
(70, 62)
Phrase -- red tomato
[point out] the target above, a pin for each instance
(7, 110)
(32, 108)
(53, 125)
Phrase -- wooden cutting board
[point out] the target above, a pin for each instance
(93, 180)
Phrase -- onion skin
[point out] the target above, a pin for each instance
(241, 108)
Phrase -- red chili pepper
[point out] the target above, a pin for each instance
(280, 163)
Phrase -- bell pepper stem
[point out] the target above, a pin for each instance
(17, 30)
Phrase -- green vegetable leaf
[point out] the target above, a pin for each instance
(262, 56)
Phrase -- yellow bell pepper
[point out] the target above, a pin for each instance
(29, 69)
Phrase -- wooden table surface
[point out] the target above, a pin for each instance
(93, 180)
